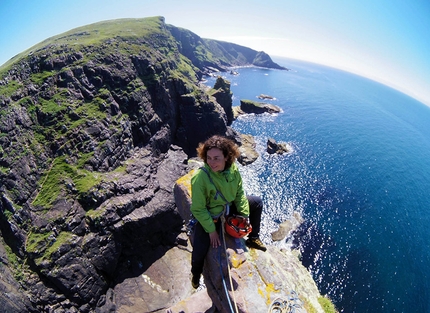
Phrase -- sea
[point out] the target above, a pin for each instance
(358, 171)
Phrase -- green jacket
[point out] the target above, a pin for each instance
(205, 207)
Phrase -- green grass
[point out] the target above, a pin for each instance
(327, 305)
(92, 110)
(17, 265)
(39, 78)
(58, 119)
(53, 183)
(36, 241)
(187, 70)
(95, 215)
(10, 88)
(4, 170)
(45, 244)
(63, 238)
(8, 214)
(61, 172)
(87, 180)
(51, 106)
(253, 103)
(27, 103)
(104, 93)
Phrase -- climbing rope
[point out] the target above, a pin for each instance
(235, 310)
(286, 306)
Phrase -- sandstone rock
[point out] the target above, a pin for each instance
(163, 284)
(199, 301)
(237, 111)
(182, 194)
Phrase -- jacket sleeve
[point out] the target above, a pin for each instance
(241, 201)
(199, 194)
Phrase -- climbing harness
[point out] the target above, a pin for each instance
(218, 193)
(236, 226)
(286, 306)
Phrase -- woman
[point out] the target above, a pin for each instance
(219, 155)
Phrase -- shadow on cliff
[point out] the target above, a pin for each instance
(144, 242)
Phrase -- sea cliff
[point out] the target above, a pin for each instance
(96, 126)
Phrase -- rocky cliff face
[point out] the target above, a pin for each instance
(96, 125)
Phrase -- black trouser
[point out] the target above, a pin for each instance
(201, 242)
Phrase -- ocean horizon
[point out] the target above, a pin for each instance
(358, 172)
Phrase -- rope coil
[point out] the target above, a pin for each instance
(286, 306)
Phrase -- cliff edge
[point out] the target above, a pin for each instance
(96, 125)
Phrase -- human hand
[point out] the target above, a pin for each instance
(214, 238)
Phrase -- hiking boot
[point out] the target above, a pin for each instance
(255, 243)
(195, 281)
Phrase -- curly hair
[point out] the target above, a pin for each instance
(229, 149)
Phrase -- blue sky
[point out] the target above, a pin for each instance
(385, 40)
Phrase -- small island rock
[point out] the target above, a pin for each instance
(267, 97)
(274, 147)
(249, 106)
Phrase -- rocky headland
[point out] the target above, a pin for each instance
(97, 125)
(254, 107)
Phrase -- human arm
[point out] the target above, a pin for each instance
(200, 195)
(241, 201)
(199, 207)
